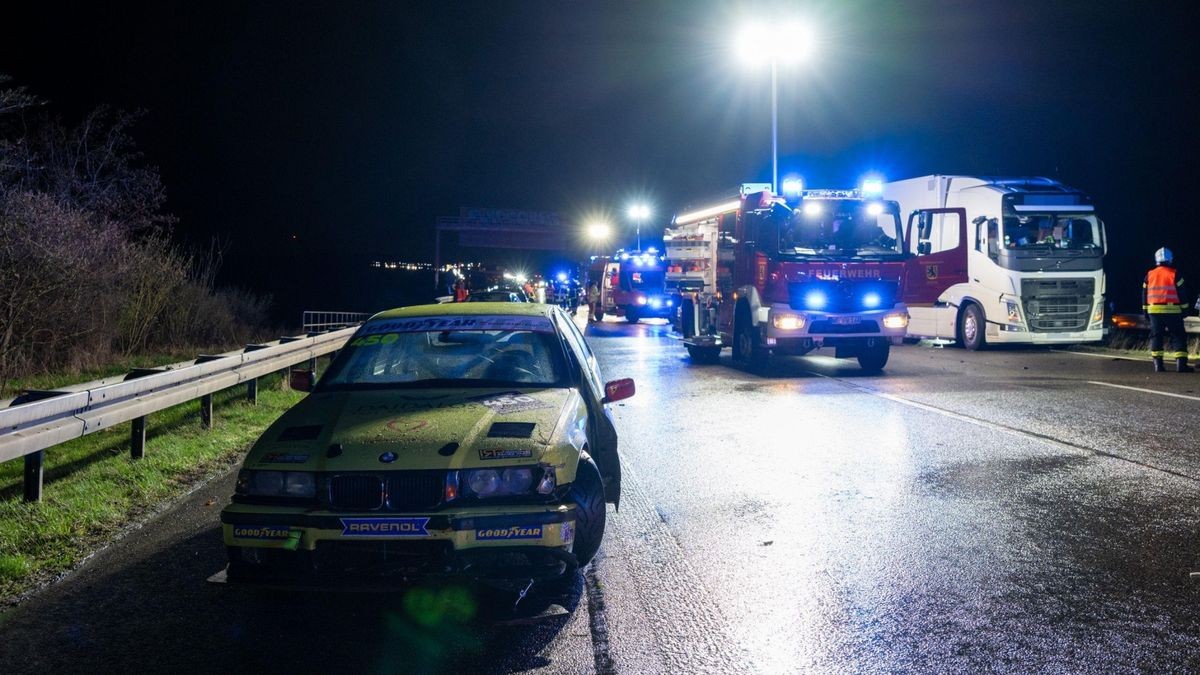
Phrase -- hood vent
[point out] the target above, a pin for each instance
(305, 433)
(511, 430)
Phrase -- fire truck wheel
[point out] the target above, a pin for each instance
(632, 316)
(587, 491)
(704, 354)
(971, 328)
(746, 346)
(873, 359)
(687, 321)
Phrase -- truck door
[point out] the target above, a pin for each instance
(936, 240)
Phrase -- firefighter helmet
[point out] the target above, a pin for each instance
(1163, 256)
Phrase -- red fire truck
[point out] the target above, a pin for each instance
(632, 285)
(765, 274)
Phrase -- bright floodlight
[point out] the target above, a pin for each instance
(872, 186)
(792, 186)
(874, 208)
(599, 231)
(639, 211)
(812, 208)
(789, 42)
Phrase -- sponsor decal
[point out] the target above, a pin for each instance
(387, 457)
(511, 532)
(407, 426)
(568, 532)
(384, 527)
(284, 458)
(509, 402)
(270, 532)
(505, 453)
(537, 324)
(406, 406)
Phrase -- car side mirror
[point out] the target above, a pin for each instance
(302, 380)
(618, 390)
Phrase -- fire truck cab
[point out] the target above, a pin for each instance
(765, 274)
(632, 285)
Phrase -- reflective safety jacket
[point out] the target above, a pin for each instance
(1162, 291)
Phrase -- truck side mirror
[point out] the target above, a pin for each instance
(924, 248)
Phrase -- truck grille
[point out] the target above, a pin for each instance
(1058, 305)
(391, 491)
(831, 328)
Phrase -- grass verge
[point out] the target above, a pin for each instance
(93, 489)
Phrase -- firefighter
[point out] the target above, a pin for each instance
(1162, 301)
(460, 291)
(593, 301)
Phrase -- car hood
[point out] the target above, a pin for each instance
(412, 429)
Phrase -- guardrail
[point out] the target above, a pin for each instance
(1191, 324)
(315, 321)
(40, 419)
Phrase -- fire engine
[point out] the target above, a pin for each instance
(632, 285)
(764, 273)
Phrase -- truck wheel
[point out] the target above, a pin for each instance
(971, 328)
(632, 316)
(687, 320)
(874, 358)
(704, 354)
(746, 346)
(587, 492)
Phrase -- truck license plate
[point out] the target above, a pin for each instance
(846, 320)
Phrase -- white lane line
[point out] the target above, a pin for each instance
(1098, 356)
(1148, 391)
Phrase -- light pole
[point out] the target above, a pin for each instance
(639, 212)
(785, 43)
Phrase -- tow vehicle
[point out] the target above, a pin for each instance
(1004, 260)
(633, 285)
(766, 274)
(468, 440)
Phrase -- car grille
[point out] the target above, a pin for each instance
(391, 491)
(1057, 305)
(831, 328)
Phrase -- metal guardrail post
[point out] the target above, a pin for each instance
(252, 392)
(137, 438)
(34, 472)
(206, 411)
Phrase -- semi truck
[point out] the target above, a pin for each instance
(768, 274)
(1001, 260)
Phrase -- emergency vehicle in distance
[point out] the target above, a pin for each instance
(766, 274)
(1005, 260)
(632, 285)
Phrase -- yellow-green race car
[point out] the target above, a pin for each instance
(466, 439)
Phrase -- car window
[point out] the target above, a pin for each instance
(450, 351)
(583, 353)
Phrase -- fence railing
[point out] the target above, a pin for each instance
(39, 419)
(314, 321)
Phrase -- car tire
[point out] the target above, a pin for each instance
(632, 316)
(971, 328)
(874, 358)
(704, 354)
(587, 492)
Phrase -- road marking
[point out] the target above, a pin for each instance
(1024, 433)
(1098, 356)
(1148, 391)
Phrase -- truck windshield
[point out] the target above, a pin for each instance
(842, 228)
(1050, 231)
(644, 280)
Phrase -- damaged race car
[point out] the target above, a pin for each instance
(466, 440)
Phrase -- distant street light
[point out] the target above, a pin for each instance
(599, 232)
(639, 212)
(785, 43)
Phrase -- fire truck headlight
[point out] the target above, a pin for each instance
(670, 303)
(788, 321)
(815, 300)
(641, 300)
(895, 321)
(655, 303)
(871, 300)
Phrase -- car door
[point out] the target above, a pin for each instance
(937, 254)
(602, 433)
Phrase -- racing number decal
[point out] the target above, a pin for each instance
(372, 340)
(931, 271)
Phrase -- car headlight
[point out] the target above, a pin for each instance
(788, 321)
(641, 300)
(895, 321)
(276, 484)
(508, 482)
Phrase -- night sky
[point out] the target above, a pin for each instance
(313, 137)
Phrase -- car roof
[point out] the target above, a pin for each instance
(469, 309)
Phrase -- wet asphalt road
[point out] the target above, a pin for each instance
(1004, 511)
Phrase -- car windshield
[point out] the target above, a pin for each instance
(453, 351)
(1049, 231)
(842, 227)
